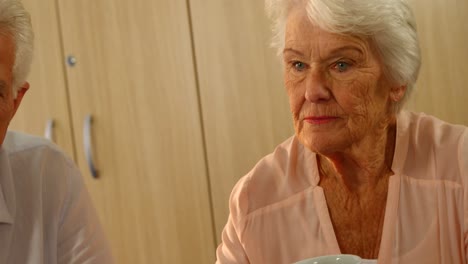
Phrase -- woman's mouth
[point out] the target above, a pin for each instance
(320, 120)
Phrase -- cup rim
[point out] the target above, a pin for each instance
(324, 257)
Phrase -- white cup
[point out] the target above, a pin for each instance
(332, 259)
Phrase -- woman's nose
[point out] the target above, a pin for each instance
(317, 90)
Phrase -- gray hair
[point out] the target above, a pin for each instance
(389, 24)
(15, 20)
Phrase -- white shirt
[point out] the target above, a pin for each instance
(46, 216)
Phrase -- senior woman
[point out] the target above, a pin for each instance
(359, 176)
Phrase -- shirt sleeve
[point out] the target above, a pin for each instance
(231, 250)
(80, 236)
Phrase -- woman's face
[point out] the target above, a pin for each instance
(337, 90)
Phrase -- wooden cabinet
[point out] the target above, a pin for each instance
(134, 74)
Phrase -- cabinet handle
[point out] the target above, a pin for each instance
(88, 148)
(49, 129)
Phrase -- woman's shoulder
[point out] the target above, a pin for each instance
(435, 149)
(426, 127)
(428, 133)
(276, 177)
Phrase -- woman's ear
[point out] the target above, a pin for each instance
(397, 93)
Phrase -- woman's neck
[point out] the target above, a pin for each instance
(361, 167)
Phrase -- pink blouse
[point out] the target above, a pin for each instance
(278, 213)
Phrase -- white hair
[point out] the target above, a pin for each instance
(15, 20)
(389, 24)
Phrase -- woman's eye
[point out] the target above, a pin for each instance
(342, 66)
(299, 66)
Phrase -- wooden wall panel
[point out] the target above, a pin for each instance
(245, 108)
(442, 88)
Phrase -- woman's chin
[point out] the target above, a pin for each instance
(321, 146)
(322, 142)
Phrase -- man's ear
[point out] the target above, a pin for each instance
(397, 93)
(19, 96)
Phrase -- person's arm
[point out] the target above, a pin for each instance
(231, 250)
(80, 236)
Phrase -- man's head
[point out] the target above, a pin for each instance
(16, 48)
(15, 21)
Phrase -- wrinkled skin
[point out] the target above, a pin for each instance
(332, 75)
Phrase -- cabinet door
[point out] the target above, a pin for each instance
(47, 97)
(443, 34)
(135, 75)
(245, 107)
